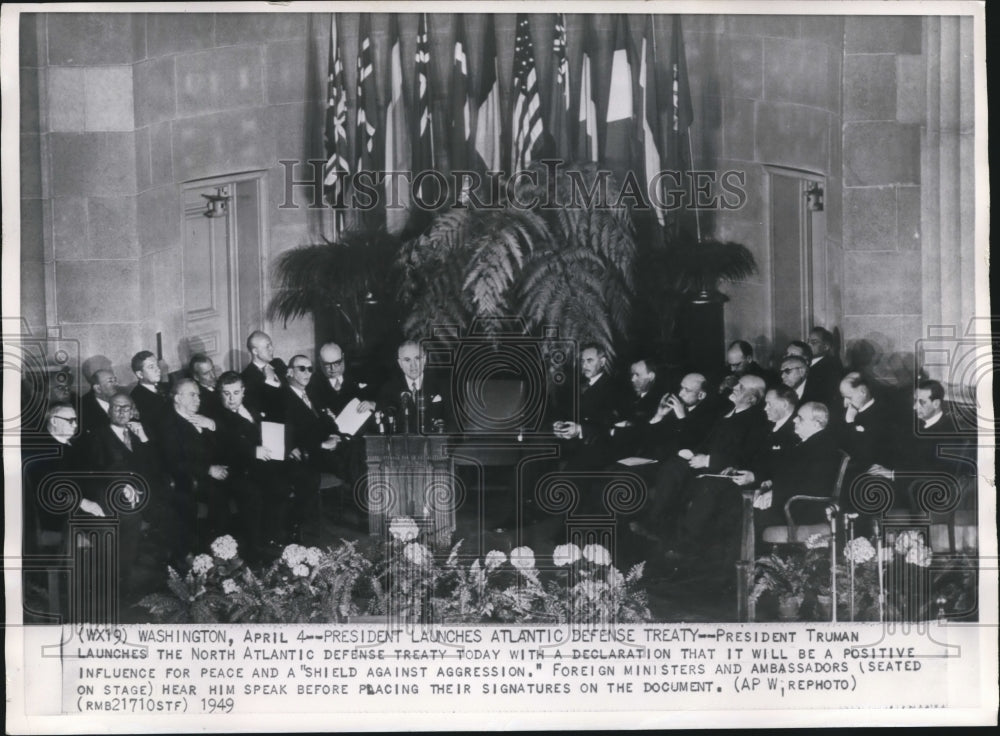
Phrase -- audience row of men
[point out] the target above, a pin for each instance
(202, 440)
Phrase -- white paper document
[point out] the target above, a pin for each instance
(631, 461)
(350, 420)
(272, 436)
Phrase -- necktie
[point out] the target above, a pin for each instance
(306, 400)
(413, 386)
(336, 385)
(127, 440)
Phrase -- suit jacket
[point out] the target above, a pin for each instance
(433, 386)
(238, 442)
(871, 438)
(305, 428)
(109, 453)
(46, 457)
(210, 404)
(637, 437)
(672, 434)
(152, 407)
(323, 396)
(810, 469)
(260, 397)
(825, 376)
(774, 450)
(598, 408)
(92, 416)
(185, 452)
(734, 440)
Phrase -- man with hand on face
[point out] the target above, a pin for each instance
(682, 419)
(868, 433)
(149, 395)
(740, 362)
(417, 399)
(629, 436)
(588, 445)
(263, 376)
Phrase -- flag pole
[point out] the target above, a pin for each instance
(697, 219)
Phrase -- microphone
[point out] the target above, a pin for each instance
(405, 399)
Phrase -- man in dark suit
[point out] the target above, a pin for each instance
(795, 374)
(310, 432)
(683, 419)
(189, 456)
(629, 435)
(263, 377)
(94, 405)
(825, 368)
(869, 433)
(330, 388)
(418, 399)
(149, 395)
(809, 468)
(202, 370)
(933, 447)
(123, 448)
(260, 482)
(587, 441)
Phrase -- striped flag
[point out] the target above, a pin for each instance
(618, 135)
(653, 143)
(367, 103)
(336, 169)
(676, 117)
(461, 106)
(486, 95)
(526, 125)
(586, 144)
(397, 145)
(423, 148)
(560, 92)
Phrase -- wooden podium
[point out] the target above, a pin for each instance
(411, 475)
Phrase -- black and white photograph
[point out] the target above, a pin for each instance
(639, 356)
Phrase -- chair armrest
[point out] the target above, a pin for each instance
(822, 499)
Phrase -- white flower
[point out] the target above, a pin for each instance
(597, 554)
(224, 547)
(300, 570)
(919, 556)
(313, 556)
(615, 577)
(202, 564)
(908, 539)
(294, 554)
(494, 558)
(815, 541)
(859, 550)
(474, 567)
(418, 554)
(565, 554)
(229, 587)
(522, 558)
(404, 529)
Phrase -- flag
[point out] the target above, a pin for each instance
(367, 102)
(618, 135)
(560, 105)
(397, 145)
(335, 130)
(486, 96)
(676, 117)
(461, 106)
(586, 144)
(526, 127)
(423, 148)
(653, 143)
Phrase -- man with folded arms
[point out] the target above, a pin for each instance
(149, 395)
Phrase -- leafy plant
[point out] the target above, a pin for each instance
(701, 265)
(566, 262)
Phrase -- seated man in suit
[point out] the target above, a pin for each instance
(629, 435)
(869, 432)
(587, 441)
(190, 457)
(149, 395)
(94, 406)
(733, 440)
(202, 370)
(417, 399)
(260, 483)
(683, 419)
(263, 377)
(795, 374)
(331, 389)
(809, 468)
(933, 446)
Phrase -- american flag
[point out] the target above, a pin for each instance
(461, 120)
(527, 119)
(560, 92)
(335, 131)
(423, 148)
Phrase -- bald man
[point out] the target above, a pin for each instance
(94, 406)
(264, 377)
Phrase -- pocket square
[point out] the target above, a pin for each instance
(436, 398)
(859, 428)
(362, 385)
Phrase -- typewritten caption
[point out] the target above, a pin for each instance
(263, 669)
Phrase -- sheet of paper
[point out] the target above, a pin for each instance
(631, 461)
(350, 419)
(272, 436)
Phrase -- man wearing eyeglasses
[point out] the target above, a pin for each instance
(311, 433)
(739, 363)
(94, 405)
(330, 388)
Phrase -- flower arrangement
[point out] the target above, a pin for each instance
(406, 582)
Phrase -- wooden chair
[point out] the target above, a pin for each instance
(789, 533)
